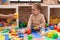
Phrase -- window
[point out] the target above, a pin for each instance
(25, 1)
(58, 1)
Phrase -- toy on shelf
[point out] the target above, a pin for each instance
(22, 24)
(54, 20)
(15, 15)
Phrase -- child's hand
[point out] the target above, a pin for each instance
(11, 16)
(37, 28)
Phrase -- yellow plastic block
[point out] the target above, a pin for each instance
(34, 27)
(2, 37)
(50, 34)
(13, 31)
(15, 15)
(16, 38)
(1, 28)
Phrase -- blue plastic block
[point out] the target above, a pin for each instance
(36, 35)
(42, 28)
(21, 35)
(6, 36)
(46, 29)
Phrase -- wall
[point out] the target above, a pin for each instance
(24, 13)
(7, 11)
(55, 12)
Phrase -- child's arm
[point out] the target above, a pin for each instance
(29, 22)
(4, 16)
(42, 21)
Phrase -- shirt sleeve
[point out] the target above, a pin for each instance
(29, 22)
(42, 21)
(4, 16)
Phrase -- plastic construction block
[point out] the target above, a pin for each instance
(21, 35)
(55, 35)
(6, 36)
(2, 37)
(36, 35)
(51, 27)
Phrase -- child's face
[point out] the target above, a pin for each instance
(35, 10)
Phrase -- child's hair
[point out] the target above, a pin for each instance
(38, 6)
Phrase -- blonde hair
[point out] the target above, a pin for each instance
(38, 6)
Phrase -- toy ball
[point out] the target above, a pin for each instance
(20, 25)
(55, 27)
(50, 35)
(55, 35)
(30, 37)
(24, 24)
(51, 27)
(47, 24)
(35, 28)
(58, 29)
(28, 31)
(15, 15)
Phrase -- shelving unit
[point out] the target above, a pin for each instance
(54, 14)
(9, 9)
(47, 10)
